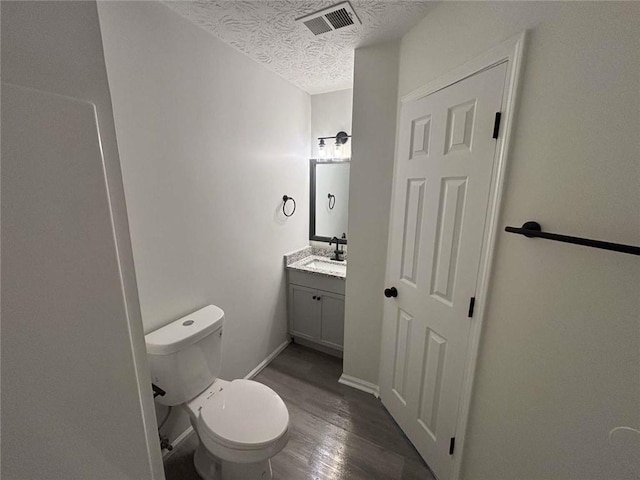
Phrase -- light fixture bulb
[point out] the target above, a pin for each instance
(338, 150)
(341, 149)
(322, 152)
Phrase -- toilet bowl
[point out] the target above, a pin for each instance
(241, 424)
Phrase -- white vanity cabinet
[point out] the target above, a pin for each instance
(316, 308)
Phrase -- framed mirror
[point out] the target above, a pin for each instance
(329, 196)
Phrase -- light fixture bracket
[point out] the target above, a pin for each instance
(342, 138)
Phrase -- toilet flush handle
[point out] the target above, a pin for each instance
(157, 391)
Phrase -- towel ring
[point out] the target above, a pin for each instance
(331, 205)
(285, 199)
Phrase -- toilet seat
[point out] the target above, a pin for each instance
(244, 415)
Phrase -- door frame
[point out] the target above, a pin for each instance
(511, 51)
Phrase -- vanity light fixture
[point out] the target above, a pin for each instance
(341, 139)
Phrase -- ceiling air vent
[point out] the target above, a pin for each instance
(339, 16)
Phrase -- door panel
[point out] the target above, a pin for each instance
(412, 228)
(449, 228)
(442, 182)
(420, 136)
(431, 381)
(401, 357)
(460, 127)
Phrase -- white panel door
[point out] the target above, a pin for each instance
(442, 182)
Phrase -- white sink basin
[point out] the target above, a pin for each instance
(326, 266)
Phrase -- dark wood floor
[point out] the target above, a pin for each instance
(337, 432)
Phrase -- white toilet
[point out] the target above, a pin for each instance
(241, 424)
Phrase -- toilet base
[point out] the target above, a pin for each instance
(212, 468)
(207, 466)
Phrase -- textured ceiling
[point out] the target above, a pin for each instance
(266, 31)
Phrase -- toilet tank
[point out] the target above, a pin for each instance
(185, 355)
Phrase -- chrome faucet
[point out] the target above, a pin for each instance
(338, 251)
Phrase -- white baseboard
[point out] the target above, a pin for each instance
(318, 346)
(359, 384)
(267, 360)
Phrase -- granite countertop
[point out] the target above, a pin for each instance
(302, 259)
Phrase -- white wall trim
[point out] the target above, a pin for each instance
(359, 384)
(135, 330)
(181, 438)
(318, 344)
(267, 360)
(510, 50)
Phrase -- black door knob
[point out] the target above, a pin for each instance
(391, 292)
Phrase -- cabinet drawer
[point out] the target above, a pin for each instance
(319, 282)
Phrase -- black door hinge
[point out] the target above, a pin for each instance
(452, 445)
(496, 125)
(472, 303)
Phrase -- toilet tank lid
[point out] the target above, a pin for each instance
(184, 331)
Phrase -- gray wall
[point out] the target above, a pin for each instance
(210, 141)
(76, 399)
(374, 127)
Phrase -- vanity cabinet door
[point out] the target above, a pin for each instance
(332, 318)
(304, 311)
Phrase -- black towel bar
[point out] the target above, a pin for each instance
(533, 229)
